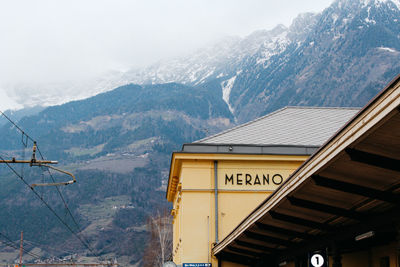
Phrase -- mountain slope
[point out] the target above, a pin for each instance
(118, 145)
(121, 114)
(339, 57)
(350, 54)
(352, 43)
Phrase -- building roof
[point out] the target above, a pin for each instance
(348, 187)
(300, 126)
(290, 130)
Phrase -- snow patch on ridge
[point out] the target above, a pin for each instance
(397, 3)
(388, 49)
(378, 2)
(273, 47)
(335, 17)
(226, 91)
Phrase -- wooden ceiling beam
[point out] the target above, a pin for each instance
(299, 221)
(373, 159)
(233, 257)
(282, 231)
(268, 239)
(256, 246)
(247, 252)
(381, 222)
(326, 208)
(356, 189)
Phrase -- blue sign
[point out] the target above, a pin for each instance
(196, 265)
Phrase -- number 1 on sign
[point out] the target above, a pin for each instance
(317, 260)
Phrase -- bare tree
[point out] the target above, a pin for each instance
(159, 247)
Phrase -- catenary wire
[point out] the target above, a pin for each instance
(16, 246)
(59, 192)
(49, 207)
(13, 245)
(63, 199)
(16, 126)
(41, 155)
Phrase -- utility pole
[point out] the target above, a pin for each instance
(21, 249)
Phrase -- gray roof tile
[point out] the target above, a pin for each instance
(299, 126)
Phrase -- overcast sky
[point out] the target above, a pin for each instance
(57, 41)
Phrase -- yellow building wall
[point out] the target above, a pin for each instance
(196, 174)
(370, 258)
(242, 186)
(176, 226)
(231, 264)
(236, 201)
(358, 259)
(383, 251)
(234, 207)
(196, 238)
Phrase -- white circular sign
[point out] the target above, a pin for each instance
(317, 260)
(169, 264)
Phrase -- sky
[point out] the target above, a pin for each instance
(49, 42)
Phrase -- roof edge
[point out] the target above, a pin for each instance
(249, 149)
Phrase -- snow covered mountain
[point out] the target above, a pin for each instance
(339, 57)
(120, 142)
(350, 51)
(225, 58)
(222, 59)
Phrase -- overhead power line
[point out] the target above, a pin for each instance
(60, 194)
(48, 206)
(12, 244)
(66, 206)
(82, 239)
(16, 126)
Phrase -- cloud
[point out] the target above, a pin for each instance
(47, 41)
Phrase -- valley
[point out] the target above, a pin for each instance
(118, 142)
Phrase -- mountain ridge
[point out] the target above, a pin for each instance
(118, 143)
(232, 55)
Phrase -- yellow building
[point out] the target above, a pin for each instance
(216, 182)
(340, 208)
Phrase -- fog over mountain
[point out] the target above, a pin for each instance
(55, 52)
(119, 142)
(314, 61)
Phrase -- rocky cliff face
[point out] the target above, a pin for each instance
(340, 57)
(345, 56)
(119, 143)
